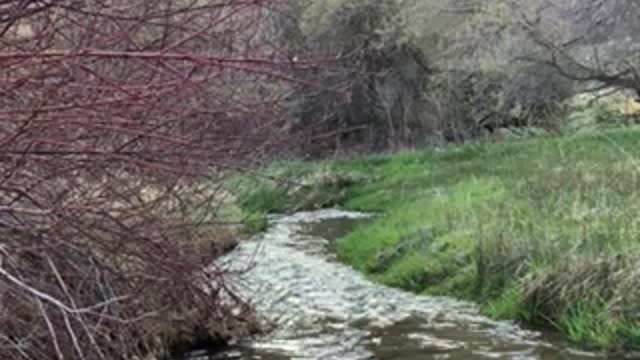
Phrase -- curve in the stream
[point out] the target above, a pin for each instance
(323, 309)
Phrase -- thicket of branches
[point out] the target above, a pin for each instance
(378, 71)
(592, 42)
(114, 114)
(452, 70)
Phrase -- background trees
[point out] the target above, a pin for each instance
(594, 42)
(376, 72)
(425, 72)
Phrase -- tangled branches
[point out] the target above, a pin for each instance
(113, 113)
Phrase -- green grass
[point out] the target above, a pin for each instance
(587, 322)
(288, 187)
(543, 230)
(508, 305)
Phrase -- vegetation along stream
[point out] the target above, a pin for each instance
(322, 309)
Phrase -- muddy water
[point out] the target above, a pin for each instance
(322, 309)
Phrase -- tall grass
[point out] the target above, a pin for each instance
(544, 230)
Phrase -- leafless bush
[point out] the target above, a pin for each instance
(113, 113)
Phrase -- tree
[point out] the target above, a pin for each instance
(494, 85)
(376, 75)
(592, 42)
(423, 72)
(116, 119)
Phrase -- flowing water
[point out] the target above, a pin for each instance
(322, 309)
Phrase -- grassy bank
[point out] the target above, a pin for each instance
(546, 231)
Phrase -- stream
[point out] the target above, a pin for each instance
(322, 309)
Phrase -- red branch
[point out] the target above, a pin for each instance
(114, 116)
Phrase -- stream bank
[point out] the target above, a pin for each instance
(322, 309)
(543, 231)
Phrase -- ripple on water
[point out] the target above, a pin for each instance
(322, 309)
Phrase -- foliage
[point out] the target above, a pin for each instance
(289, 187)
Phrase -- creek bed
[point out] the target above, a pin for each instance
(322, 309)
